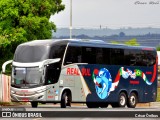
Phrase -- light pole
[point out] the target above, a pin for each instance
(70, 19)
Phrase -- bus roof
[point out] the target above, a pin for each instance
(84, 42)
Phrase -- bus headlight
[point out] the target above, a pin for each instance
(12, 92)
(12, 81)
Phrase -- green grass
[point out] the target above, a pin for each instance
(158, 95)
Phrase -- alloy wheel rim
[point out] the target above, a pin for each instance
(122, 100)
(132, 99)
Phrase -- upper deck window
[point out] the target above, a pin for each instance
(57, 51)
(27, 54)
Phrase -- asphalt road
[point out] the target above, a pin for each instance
(83, 107)
(84, 113)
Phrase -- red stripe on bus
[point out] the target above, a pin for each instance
(154, 70)
(117, 77)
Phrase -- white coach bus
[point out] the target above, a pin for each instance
(83, 71)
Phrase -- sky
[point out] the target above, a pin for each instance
(109, 14)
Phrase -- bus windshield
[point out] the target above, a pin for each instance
(28, 54)
(26, 77)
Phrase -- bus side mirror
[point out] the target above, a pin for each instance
(5, 64)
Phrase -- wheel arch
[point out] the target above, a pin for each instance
(66, 89)
(136, 92)
(123, 91)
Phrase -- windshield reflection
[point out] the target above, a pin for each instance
(26, 77)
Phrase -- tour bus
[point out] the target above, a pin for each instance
(83, 71)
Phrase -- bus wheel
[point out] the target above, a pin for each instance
(34, 104)
(132, 100)
(69, 99)
(65, 100)
(122, 100)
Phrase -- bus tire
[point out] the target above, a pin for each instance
(132, 100)
(69, 100)
(65, 100)
(34, 104)
(122, 100)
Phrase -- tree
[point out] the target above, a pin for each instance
(122, 34)
(25, 20)
(158, 48)
(132, 42)
(115, 42)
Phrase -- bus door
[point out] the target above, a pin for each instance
(52, 75)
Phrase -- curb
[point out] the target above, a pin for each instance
(143, 105)
(151, 104)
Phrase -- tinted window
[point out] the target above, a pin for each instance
(106, 56)
(57, 51)
(109, 56)
(89, 55)
(73, 55)
(139, 57)
(130, 57)
(117, 56)
(99, 56)
(28, 53)
(52, 73)
(150, 58)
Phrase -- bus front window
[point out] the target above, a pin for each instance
(30, 54)
(26, 77)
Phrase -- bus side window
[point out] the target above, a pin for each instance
(103, 56)
(117, 56)
(130, 57)
(89, 55)
(57, 51)
(106, 56)
(99, 56)
(150, 58)
(135, 57)
(140, 60)
(52, 73)
(73, 55)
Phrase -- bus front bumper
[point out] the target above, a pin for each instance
(28, 95)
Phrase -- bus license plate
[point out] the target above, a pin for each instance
(25, 99)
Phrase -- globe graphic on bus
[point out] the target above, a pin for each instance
(103, 82)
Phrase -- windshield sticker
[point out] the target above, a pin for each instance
(56, 92)
(56, 97)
